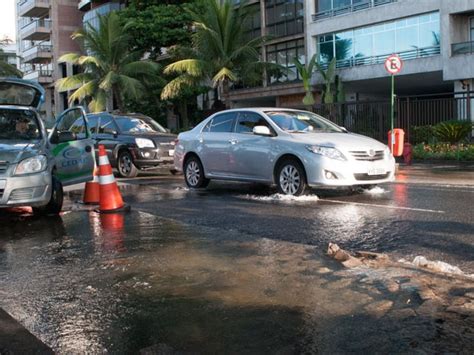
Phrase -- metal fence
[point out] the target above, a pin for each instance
(372, 118)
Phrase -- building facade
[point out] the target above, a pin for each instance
(435, 38)
(44, 29)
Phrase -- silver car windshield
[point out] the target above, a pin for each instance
(18, 125)
(300, 121)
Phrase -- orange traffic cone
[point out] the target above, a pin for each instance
(91, 192)
(110, 197)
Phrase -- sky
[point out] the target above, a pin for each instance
(7, 19)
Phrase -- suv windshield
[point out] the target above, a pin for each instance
(18, 125)
(138, 125)
(300, 121)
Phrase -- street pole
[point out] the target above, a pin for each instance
(392, 114)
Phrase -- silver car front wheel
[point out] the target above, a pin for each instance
(291, 178)
(194, 173)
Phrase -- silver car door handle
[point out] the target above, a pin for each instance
(233, 141)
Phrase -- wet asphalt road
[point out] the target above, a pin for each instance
(233, 269)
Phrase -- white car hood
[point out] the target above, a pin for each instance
(343, 141)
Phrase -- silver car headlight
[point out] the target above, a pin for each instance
(329, 152)
(144, 143)
(32, 165)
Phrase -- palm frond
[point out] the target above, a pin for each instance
(176, 86)
(224, 74)
(192, 67)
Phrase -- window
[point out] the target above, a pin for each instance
(93, 120)
(107, 125)
(138, 125)
(248, 120)
(284, 55)
(79, 128)
(284, 18)
(412, 35)
(73, 121)
(253, 24)
(223, 123)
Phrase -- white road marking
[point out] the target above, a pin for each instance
(382, 206)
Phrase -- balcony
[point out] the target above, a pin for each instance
(38, 54)
(356, 5)
(42, 76)
(33, 8)
(38, 30)
(380, 59)
(462, 48)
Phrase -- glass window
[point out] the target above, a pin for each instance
(248, 120)
(429, 35)
(71, 121)
(79, 128)
(18, 125)
(107, 125)
(341, 3)
(223, 123)
(384, 43)
(138, 125)
(92, 123)
(323, 5)
(302, 121)
(284, 18)
(284, 54)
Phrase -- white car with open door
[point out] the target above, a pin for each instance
(34, 167)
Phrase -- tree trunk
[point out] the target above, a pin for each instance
(183, 112)
(225, 88)
(118, 98)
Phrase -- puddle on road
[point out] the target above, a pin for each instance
(120, 283)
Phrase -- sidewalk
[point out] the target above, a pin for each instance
(441, 173)
(15, 339)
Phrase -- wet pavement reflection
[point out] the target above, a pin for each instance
(225, 271)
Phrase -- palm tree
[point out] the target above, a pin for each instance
(221, 52)
(7, 69)
(306, 73)
(110, 70)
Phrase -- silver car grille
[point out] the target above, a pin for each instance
(367, 155)
(3, 167)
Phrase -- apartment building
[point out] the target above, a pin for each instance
(44, 29)
(435, 38)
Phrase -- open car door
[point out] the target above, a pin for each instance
(72, 147)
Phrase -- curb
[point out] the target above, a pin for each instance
(16, 339)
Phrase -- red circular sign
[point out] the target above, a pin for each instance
(394, 64)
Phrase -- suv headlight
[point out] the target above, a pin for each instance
(144, 143)
(32, 165)
(329, 152)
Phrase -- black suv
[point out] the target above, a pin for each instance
(133, 141)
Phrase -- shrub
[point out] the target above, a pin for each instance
(444, 151)
(452, 132)
(422, 134)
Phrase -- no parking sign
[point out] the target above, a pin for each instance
(394, 64)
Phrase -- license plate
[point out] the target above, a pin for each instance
(2, 184)
(376, 171)
(171, 152)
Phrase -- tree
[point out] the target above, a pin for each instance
(110, 70)
(328, 78)
(221, 53)
(306, 73)
(6, 69)
(153, 26)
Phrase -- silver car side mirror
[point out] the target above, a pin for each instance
(262, 131)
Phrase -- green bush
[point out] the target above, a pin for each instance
(452, 132)
(443, 151)
(422, 134)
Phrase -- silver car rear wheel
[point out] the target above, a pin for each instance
(291, 178)
(193, 173)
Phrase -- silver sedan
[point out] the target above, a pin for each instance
(290, 148)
